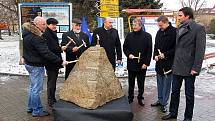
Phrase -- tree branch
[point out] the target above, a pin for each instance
(8, 8)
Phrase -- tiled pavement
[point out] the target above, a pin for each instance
(13, 99)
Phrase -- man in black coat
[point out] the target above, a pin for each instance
(189, 55)
(52, 69)
(73, 50)
(138, 50)
(35, 53)
(109, 39)
(164, 50)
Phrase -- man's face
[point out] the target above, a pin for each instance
(41, 25)
(136, 27)
(76, 27)
(162, 25)
(108, 24)
(53, 27)
(182, 18)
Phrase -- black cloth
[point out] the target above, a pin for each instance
(53, 44)
(70, 56)
(165, 41)
(140, 82)
(190, 49)
(109, 39)
(189, 92)
(51, 85)
(116, 110)
(35, 50)
(135, 43)
(52, 69)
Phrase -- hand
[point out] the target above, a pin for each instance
(63, 48)
(131, 56)
(119, 61)
(193, 72)
(161, 56)
(65, 63)
(75, 49)
(156, 58)
(144, 66)
(21, 61)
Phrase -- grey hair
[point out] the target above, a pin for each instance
(137, 21)
(163, 18)
(38, 19)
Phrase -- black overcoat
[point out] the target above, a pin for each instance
(109, 39)
(135, 43)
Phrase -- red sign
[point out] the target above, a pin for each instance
(3, 26)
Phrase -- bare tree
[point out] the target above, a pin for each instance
(197, 5)
(9, 14)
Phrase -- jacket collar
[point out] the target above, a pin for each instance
(32, 28)
(186, 28)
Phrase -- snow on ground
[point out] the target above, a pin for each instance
(9, 55)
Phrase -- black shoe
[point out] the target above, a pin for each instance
(164, 109)
(51, 103)
(157, 103)
(169, 116)
(187, 119)
(130, 101)
(141, 102)
(29, 110)
(41, 114)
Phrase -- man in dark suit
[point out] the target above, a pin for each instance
(189, 54)
(73, 50)
(138, 50)
(164, 50)
(109, 39)
(52, 69)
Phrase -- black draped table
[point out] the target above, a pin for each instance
(116, 110)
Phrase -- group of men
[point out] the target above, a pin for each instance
(178, 54)
(41, 49)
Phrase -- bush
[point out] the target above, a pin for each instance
(211, 29)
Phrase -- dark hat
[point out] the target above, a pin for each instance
(76, 20)
(51, 21)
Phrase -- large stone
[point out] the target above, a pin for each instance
(92, 82)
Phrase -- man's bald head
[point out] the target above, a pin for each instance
(108, 19)
(40, 22)
(108, 23)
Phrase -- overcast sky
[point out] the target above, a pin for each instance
(169, 4)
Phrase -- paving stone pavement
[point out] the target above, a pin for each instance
(13, 100)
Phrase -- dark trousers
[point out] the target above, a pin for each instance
(189, 92)
(140, 82)
(69, 68)
(51, 85)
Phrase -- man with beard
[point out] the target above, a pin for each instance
(71, 42)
